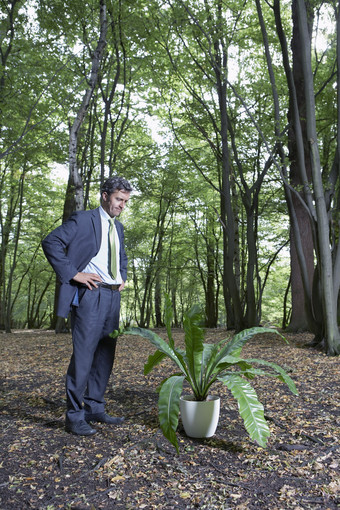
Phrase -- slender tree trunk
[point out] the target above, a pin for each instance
(252, 318)
(158, 285)
(8, 34)
(227, 215)
(158, 302)
(75, 192)
(152, 266)
(74, 199)
(211, 307)
(16, 237)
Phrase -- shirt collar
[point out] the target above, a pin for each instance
(104, 214)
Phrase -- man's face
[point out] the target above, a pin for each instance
(114, 203)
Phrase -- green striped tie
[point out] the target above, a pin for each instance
(113, 256)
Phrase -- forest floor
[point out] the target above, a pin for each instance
(132, 466)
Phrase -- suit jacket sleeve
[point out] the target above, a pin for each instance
(123, 257)
(55, 248)
(70, 247)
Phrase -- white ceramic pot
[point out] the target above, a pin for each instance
(199, 419)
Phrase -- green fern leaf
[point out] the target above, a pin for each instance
(168, 407)
(250, 408)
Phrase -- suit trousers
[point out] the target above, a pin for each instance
(93, 351)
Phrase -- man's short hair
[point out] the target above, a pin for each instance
(115, 183)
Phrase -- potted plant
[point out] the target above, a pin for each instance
(201, 365)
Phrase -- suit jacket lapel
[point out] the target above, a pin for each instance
(119, 228)
(97, 226)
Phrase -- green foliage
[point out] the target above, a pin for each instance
(161, 63)
(201, 365)
(251, 410)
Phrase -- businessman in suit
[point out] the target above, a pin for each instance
(87, 253)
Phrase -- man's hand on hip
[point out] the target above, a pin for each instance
(88, 279)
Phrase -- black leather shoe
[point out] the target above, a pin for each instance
(104, 418)
(79, 428)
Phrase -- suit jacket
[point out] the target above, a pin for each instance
(70, 247)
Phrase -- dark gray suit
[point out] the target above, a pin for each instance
(70, 247)
(94, 313)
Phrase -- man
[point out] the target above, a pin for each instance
(87, 253)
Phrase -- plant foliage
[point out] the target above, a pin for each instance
(201, 365)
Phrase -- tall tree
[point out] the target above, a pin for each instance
(198, 42)
(27, 116)
(299, 318)
(324, 295)
(75, 190)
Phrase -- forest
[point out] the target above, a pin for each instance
(225, 118)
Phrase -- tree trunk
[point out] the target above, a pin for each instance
(211, 307)
(298, 321)
(331, 338)
(159, 323)
(74, 199)
(227, 216)
(304, 194)
(75, 193)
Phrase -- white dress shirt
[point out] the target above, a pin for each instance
(100, 263)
